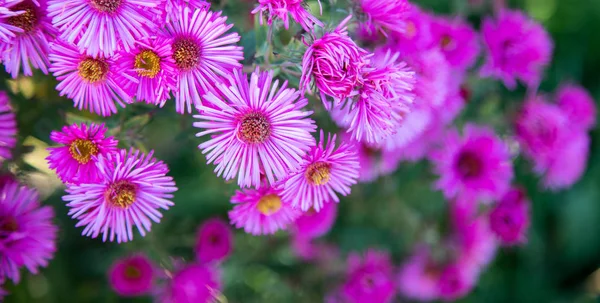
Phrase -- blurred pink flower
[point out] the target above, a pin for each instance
(214, 242)
(457, 40)
(193, 283)
(132, 276)
(8, 128)
(568, 163)
(578, 106)
(313, 224)
(509, 220)
(417, 278)
(454, 283)
(383, 16)
(369, 278)
(416, 36)
(281, 9)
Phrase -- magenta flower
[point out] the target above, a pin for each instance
(313, 224)
(99, 27)
(455, 282)
(173, 8)
(74, 161)
(416, 36)
(476, 166)
(473, 240)
(193, 283)
(518, 48)
(261, 211)
(281, 9)
(324, 171)
(132, 276)
(8, 128)
(335, 64)
(578, 105)
(94, 83)
(27, 234)
(29, 46)
(256, 128)
(568, 163)
(214, 242)
(457, 40)
(8, 31)
(151, 64)
(131, 189)
(369, 278)
(202, 54)
(310, 250)
(418, 277)
(510, 218)
(384, 16)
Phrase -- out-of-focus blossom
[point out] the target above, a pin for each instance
(569, 162)
(132, 276)
(313, 224)
(311, 250)
(256, 128)
(578, 106)
(193, 283)
(8, 128)
(214, 242)
(369, 278)
(383, 16)
(27, 234)
(457, 40)
(517, 48)
(324, 172)
(282, 9)
(417, 34)
(454, 283)
(510, 218)
(75, 161)
(418, 278)
(203, 54)
(131, 188)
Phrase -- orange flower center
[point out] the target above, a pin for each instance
(82, 150)
(93, 70)
(186, 53)
(147, 63)
(121, 194)
(269, 204)
(318, 173)
(254, 128)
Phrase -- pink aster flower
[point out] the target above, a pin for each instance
(261, 211)
(313, 224)
(476, 165)
(510, 218)
(457, 40)
(132, 276)
(578, 105)
(518, 48)
(416, 36)
(256, 128)
(74, 161)
(8, 30)
(384, 16)
(8, 128)
(193, 283)
(472, 239)
(100, 27)
(172, 8)
(324, 171)
(27, 234)
(29, 47)
(281, 9)
(568, 163)
(418, 278)
(203, 53)
(214, 241)
(335, 64)
(131, 189)
(150, 62)
(369, 279)
(94, 83)
(311, 250)
(455, 282)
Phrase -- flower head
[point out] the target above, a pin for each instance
(261, 211)
(313, 224)
(384, 16)
(280, 9)
(518, 48)
(151, 64)
(455, 282)
(568, 163)
(578, 105)
(193, 283)
(27, 234)
(510, 218)
(92, 82)
(457, 40)
(256, 128)
(132, 276)
(369, 279)
(418, 278)
(476, 166)
(214, 241)
(203, 53)
(100, 27)
(324, 171)
(8, 127)
(75, 161)
(130, 190)
(28, 46)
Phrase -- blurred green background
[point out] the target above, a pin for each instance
(558, 264)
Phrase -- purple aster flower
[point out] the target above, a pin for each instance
(193, 283)
(29, 47)
(7, 30)
(335, 64)
(256, 128)
(518, 48)
(100, 27)
(418, 277)
(74, 161)
(416, 36)
(27, 234)
(455, 282)
(281, 9)
(132, 276)
(261, 211)
(173, 8)
(8, 128)
(131, 189)
(457, 40)
(369, 278)
(202, 54)
(151, 64)
(510, 218)
(324, 171)
(578, 105)
(384, 16)
(568, 162)
(214, 241)
(94, 83)
(313, 224)
(476, 166)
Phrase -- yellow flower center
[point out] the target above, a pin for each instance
(83, 150)
(186, 53)
(26, 21)
(93, 70)
(147, 63)
(269, 204)
(106, 6)
(121, 194)
(318, 173)
(254, 128)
